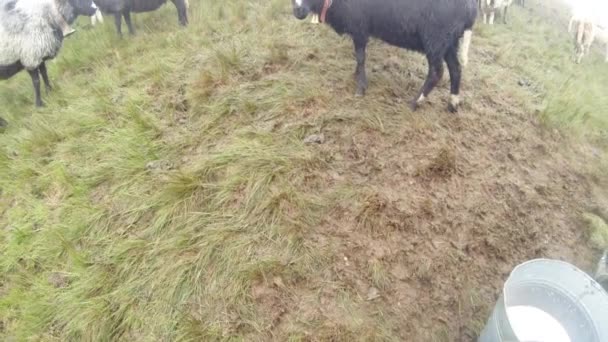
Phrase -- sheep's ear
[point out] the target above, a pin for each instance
(315, 18)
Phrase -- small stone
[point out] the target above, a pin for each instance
(152, 165)
(278, 282)
(160, 165)
(315, 139)
(373, 293)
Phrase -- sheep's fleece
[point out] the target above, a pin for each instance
(28, 33)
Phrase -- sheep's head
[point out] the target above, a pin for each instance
(301, 8)
(83, 7)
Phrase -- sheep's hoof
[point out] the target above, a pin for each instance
(3, 124)
(454, 103)
(413, 105)
(360, 93)
(453, 108)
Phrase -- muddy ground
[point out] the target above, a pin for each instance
(451, 204)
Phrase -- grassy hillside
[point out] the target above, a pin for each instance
(166, 193)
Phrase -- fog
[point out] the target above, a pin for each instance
(596, 9)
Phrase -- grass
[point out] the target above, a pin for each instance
(97, 246)
(598, 230)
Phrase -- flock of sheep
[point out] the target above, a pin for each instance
(32, 31)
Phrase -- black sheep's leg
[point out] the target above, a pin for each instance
(504, 15)
(35, 75)
(118, 23)
(182, 11)
(127, 15)
(45, 78)
(360, 75)
(451, 58)
(434, 75)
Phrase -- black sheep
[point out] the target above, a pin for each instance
(433, 27)
(123, 8)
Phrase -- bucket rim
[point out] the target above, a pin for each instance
(584, 277)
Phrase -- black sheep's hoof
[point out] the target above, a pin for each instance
(454, 103)
(413, 105)
(452, 108)
(359, 93)
(3, 124)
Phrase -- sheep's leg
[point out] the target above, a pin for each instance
(492, 14)
(127, 15)
(504, 15)
(360, 74)
(45, 78)
(465, 47)
(118, 23)
(451, 59)
(182, 11)
(433, 77)
(485, 18)
(35, 75)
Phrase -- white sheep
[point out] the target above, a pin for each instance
(584, 34)
(30, 34)
(602, 36)
(490, 7)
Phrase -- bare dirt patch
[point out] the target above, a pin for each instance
(445, 207)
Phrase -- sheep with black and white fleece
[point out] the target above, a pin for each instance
(30, 34)
(490, 7)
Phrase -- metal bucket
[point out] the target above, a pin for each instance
(566, 305)
(601, 275)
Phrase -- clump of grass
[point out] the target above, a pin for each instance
(443, 165)
(378, 274)
(598, 230)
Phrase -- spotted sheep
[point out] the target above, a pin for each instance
(489, 8)
(30, 34)
(432, 27)
(584, 34)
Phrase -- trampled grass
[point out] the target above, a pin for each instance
(167, 176)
